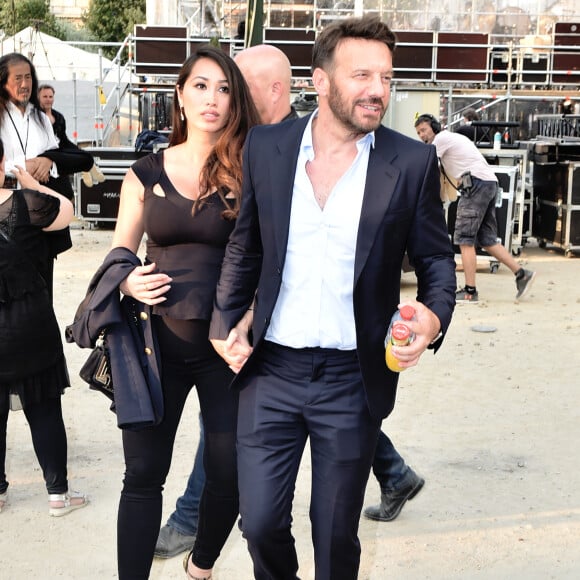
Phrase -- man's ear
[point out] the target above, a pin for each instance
(276, 91)
(320, 81)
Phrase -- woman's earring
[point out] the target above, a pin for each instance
(181, 115)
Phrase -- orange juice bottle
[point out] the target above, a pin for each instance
(398, 335)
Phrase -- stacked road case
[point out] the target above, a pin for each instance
(100, 203)
(557, 213)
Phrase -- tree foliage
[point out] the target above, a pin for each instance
(113, 20)
(15, 15)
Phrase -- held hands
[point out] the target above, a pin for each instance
(236, 349)
(146, 285)
(426, 328)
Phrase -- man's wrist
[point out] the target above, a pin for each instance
(437, 337)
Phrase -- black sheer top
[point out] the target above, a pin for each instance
(189, 248)
(22, 217)
(32, 363)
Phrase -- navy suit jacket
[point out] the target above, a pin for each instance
(401, 212)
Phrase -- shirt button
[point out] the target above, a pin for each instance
(143, 316)
(148, 351)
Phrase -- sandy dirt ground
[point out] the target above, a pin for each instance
(492, 422)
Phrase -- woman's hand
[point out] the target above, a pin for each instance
(26, 180)
(146, 285)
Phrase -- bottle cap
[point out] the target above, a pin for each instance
(407, 312)
(400, 332)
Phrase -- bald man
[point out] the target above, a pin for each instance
(269, 76)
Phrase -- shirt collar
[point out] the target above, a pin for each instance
(307, 148)
(12, 108)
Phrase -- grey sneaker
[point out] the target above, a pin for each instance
(464, 296)
(171, 543)
(524, 283)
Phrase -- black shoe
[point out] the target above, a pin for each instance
(392, 502)
(171, 543)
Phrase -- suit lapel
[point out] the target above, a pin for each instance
(283, 172)
(380, 185)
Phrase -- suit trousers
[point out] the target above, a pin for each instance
(291, 395)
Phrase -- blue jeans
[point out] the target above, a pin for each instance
(389, 467)
(184, 518)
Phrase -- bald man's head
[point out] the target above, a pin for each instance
(268, 74)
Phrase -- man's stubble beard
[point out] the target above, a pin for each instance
(346, 117)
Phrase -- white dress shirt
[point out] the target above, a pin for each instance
(24, 138)
(315, 306)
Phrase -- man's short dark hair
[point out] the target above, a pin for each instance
(366, 28)
(46, 86)
(471, 115)
(431, 120)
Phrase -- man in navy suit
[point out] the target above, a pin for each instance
(331, 203)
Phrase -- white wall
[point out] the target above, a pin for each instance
(161, 12)
(69, 9)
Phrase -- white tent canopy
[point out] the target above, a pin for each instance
(58, 64)
(54, 59)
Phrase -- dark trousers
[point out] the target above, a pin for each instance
(187, 358)
(186, 514)
(49, 441)
(293, 395)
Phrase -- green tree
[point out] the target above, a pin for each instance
(113, 20)
(74, 33)
(16, 15)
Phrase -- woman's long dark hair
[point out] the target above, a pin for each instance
(223, 168)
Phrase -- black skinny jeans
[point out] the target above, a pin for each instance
(49, 441)
(187, 359)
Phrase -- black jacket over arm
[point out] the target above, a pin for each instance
(132, 347)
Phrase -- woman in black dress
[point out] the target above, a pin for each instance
(33, 372)
(185, 198)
